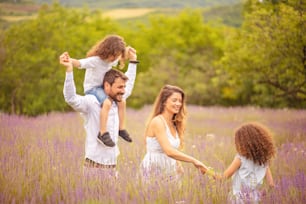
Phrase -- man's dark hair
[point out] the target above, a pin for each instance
(111, 76)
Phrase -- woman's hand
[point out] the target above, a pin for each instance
(200, 166)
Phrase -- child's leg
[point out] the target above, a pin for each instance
(105, 107)
(122, 110)
(103, 135)
(122, 132)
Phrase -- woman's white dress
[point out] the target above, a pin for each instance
(156, 164)
(247, 181)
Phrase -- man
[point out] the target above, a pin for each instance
(99, 158)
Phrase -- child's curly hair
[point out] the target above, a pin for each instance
(111, 45)
(255, 142)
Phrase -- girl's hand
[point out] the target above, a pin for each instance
(65, 60)
(210, 172)
(65, 57)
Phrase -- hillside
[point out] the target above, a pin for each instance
(141, 3)
(229, 14)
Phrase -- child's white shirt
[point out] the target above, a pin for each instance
(95, 71)
(250, 175)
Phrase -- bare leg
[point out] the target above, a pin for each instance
(121, 110)
(122, 131)
(103, 135)
(106, 105)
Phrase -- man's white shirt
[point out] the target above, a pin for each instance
(89, 108)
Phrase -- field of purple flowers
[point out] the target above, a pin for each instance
(41, 158)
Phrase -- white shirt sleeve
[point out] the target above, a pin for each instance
(131, 74)
(91, 63)
(77, 102)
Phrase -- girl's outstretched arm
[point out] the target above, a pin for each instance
(228, 172)
(232, 168)
(269, 177)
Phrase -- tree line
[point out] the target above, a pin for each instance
(262, 63)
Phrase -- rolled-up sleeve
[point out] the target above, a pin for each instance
(77, 102)
(131, 74)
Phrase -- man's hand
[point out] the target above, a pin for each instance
(65, 60)
(131, 53)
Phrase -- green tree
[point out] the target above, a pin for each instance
(31, 78)
(180, 50)
(266, 58)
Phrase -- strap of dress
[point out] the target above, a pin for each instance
(168, 129)
(165, 122)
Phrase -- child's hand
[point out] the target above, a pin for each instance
(131, 53)
(65, 60)
(211, 172)
(65, 57)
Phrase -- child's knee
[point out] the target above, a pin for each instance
(122, 103)
(107, 103)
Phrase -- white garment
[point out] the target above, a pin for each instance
(89, 108)
(95, 71)
(156, 163)
(247, 180)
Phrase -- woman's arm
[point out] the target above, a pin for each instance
(159, 131)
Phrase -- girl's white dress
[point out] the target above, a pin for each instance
(156, 164)
(247, 181)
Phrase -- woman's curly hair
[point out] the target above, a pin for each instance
(255, 142)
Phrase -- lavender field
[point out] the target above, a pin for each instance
(41, 158)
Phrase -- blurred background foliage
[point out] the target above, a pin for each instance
(246, 53)
(140, 3)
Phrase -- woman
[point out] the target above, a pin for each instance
(164, 137)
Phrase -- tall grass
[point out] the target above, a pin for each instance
(42, 157)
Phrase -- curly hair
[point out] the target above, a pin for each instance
(255, 142)
(111, 45)
(159, 107)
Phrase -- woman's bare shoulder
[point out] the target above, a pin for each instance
(155, 122)
(153, 125)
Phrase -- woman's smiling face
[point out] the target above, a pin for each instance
(174, 103)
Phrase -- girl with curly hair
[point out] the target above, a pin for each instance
(255, 149)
